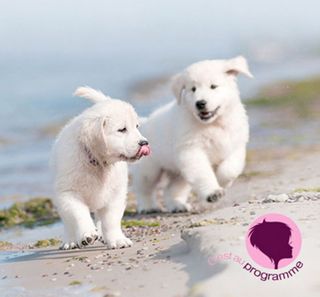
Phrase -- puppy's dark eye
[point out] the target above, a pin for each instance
(193, 89)
(137, 126)
(213, 87)
(123, 130)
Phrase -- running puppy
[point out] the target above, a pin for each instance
(89, 160)
(199, 140)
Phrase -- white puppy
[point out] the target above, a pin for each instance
(199, 140)
(89, 161)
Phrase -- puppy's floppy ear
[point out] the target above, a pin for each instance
(238, 65)
(92, 137)
(178, 86)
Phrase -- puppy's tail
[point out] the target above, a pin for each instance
(91, 94)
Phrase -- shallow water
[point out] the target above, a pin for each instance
(12, 255)
(48, 50)
(23, 236)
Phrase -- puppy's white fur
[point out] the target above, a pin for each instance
(90, 170)
(203, 155)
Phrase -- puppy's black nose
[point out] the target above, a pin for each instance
(201, 104)
(143, 142)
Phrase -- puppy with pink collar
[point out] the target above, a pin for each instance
(89, 162)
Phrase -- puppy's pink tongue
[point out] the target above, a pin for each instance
(144, 151)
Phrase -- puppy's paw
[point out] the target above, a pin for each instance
(117, 242)
(88, 238)
(69, 246)
(215, 196)
(178, 207)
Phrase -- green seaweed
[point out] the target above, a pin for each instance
(300, 190)
(35, 212)
(139, 223)
(130, 212)
(40, 211)
(80, 258)
(299, 95)
(214, 221)
(252, 174)
(75, 283)
(47, 242)
(249, 174)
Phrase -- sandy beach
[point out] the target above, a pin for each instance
(171, 259)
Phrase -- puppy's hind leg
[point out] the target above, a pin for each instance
(77, 220)
(176, 195)
(144, 186)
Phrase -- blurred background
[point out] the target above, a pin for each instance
(129, 50)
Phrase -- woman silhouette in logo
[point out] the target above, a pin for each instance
(272, 239)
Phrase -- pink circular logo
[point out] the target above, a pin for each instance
(273, 241)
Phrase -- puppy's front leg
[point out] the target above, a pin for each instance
(110, 217)
(231, 167)
(195, 167)
(75, 215)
